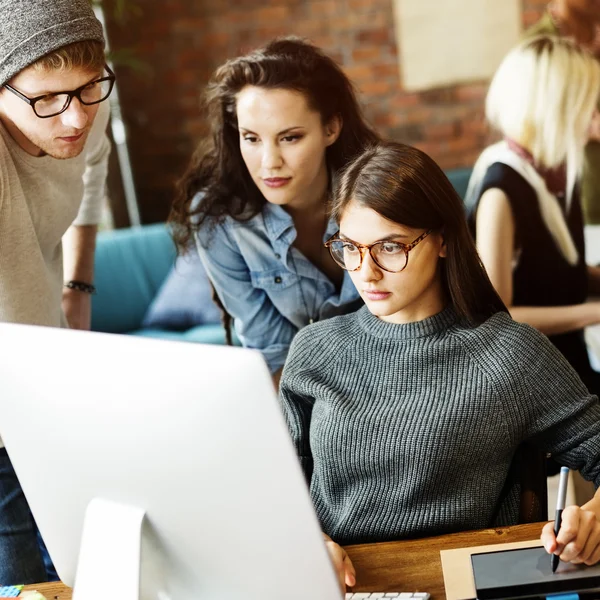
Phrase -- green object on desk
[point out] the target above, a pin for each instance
(32, 596)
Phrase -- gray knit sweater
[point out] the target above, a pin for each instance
(410, 430)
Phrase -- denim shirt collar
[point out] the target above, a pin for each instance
(280, 229)
(277, 221)
(279, 224)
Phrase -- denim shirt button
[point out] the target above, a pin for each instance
(278, 256)
(278, 279)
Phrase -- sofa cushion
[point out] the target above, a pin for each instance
(459, 178)
(185, 298)
(130, 266)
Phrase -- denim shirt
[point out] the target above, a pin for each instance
(269, 288)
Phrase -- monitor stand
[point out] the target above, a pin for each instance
(109, 557)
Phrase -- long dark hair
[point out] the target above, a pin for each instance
(218, 169)
(406, 186)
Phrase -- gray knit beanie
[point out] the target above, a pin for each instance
(30, 29)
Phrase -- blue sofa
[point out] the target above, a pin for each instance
(459, 178)
(131, 265)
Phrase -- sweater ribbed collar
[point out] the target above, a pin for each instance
(401, 331)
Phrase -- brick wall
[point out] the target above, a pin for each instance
(182, 41)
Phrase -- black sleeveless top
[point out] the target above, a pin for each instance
(542, 276)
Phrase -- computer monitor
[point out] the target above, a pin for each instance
(189, 435)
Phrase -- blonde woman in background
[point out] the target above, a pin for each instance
(579, 20)
(524, 194)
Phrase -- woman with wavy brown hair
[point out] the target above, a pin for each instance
(255, 199)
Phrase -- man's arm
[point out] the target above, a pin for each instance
(79, 244)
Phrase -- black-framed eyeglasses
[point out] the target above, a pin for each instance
(389, 256)
(50, 105)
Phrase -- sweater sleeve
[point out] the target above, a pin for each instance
(96, 170)
(3, 186)
(551, 406)
(297, 403)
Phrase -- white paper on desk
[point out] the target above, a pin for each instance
(458, 571)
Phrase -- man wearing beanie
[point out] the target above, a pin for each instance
(53, 163)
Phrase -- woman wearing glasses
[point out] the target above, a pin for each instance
(524, 194)
(284, 119)
(406, 415)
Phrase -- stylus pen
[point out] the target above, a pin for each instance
(560, 505)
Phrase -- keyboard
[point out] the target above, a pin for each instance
(398, 595)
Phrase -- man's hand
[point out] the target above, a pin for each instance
(77, 307)
(578, 540)
(342, 563)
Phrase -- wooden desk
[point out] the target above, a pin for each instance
(52, 591)
(415, 565)
(412, 565)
